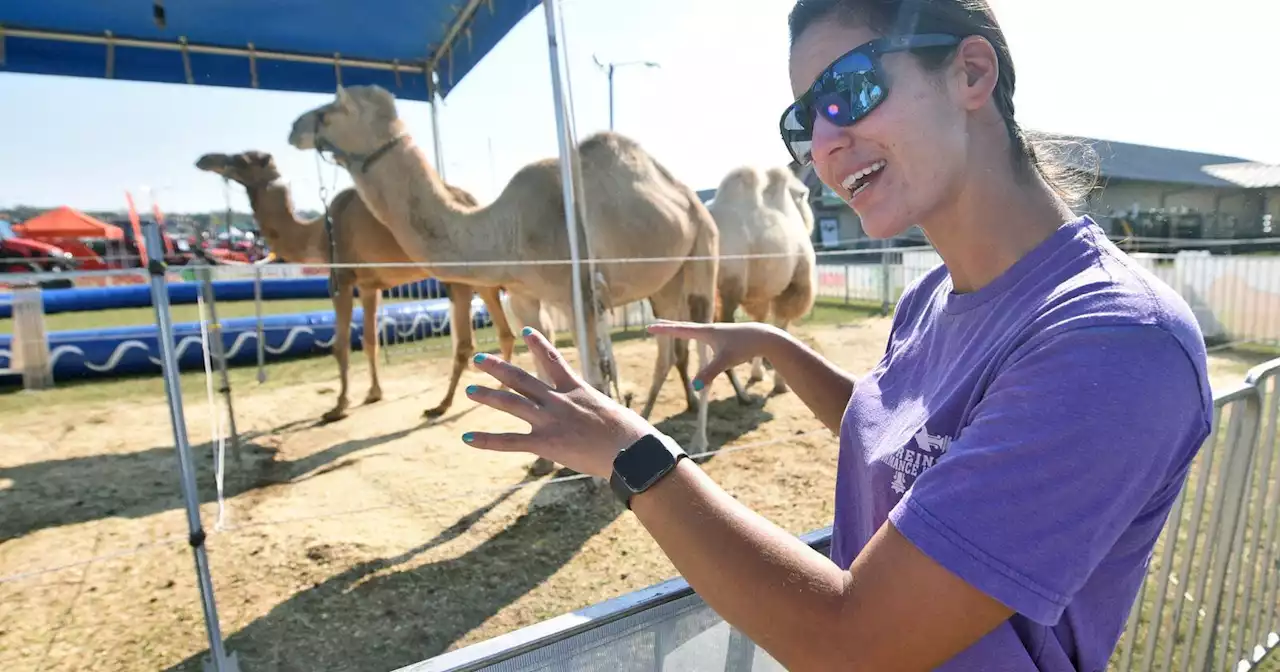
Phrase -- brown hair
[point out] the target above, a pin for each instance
(1070, 176)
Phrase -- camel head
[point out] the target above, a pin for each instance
(251, 169)
(359, 121)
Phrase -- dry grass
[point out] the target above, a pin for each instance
(365, 544)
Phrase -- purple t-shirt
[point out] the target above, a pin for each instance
(1031, 437)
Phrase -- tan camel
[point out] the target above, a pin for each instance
(361, 238)
(634, 209)
(767, 263)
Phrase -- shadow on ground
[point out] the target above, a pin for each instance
(365, 618)
(53, 493)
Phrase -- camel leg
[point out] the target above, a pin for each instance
(528, 313)
(506, 338)
(758, 313)
(370, 297)
(730, 297)
(779, 384)
(464, 345)
(681, 349)
(343, 303)
(668, 304)
(792, 304)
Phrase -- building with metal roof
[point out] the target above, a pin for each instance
(1141, 190)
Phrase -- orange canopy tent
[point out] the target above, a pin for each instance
(66, 222)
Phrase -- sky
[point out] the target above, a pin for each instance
(1183, 74)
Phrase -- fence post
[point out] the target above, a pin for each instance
(884, 277)
(1239, 455)
(219, 658)
(30, 343)
(219, 353)
(257, 313)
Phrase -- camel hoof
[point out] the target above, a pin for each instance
(755, 378)
(542, 466)
(373, 398)
(334, 415)
(436, 412)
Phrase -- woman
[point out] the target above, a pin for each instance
(1006, 468)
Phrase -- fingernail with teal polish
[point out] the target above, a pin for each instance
(471, 389)
(698, 385)
(526, 331)
(480, 357)
(468, 437)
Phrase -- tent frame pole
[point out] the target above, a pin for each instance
(219, 659)
(435, 101)
(568, 156)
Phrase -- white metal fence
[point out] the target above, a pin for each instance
(1208, 602)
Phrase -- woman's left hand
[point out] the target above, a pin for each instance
(572, 423)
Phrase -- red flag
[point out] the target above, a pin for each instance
(137, 229)
(155, 212)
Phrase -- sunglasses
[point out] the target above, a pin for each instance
(848, 89)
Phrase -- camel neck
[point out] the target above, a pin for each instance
(295, 240)
(408, 196)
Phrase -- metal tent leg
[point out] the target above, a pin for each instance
(435, 126)
(219, 659)
(582, 294)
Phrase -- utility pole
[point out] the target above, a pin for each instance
(610, 68)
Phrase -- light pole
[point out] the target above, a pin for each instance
(609, 68)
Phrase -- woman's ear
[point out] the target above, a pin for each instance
(977, 69)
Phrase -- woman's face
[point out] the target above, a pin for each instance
(918, 133)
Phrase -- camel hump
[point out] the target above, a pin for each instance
(613, 152)
(783, 187)
(744, 178)
(342, 201)
(462, 196)
(610, 141)
(743, 185)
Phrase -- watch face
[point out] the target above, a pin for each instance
(643, 462)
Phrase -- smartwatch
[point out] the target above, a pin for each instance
(638, 466)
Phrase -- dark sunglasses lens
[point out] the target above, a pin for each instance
(797, 134)
(848, 90)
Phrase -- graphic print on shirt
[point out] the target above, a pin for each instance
(909, 461)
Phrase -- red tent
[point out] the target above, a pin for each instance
(66, 222)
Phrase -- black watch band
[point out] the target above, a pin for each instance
(642, 464)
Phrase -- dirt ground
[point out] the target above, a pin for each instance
(366, 544)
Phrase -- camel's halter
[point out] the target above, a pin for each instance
(350, 161)
(328, 225)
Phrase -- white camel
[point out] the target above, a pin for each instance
(767, 261)
(634, 209)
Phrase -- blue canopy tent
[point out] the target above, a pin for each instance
(416, 49)
(284, 45)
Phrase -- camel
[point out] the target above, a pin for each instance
(634, 209)
(361, 238)
(765, 213)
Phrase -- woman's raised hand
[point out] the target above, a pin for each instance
(732, 343)
(572, 423)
